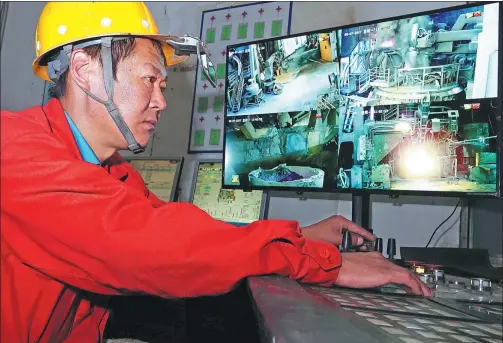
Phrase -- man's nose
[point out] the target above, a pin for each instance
(158, 100)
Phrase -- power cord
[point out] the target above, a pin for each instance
(438, 227)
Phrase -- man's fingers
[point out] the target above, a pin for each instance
(409, 280)
(426, 291)
(354, 228)
(406, 288)
(356, 240)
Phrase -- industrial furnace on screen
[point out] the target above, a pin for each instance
(284, 75)
(407, 105)
(448, 55)
(447, 146)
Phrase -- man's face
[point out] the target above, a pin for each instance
(141, 78)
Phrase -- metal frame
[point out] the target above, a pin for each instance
(263, 203)
(359, 192)
(4, 9)
(176, 180)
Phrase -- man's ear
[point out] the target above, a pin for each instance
(81, 69)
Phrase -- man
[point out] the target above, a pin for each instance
(78, 223)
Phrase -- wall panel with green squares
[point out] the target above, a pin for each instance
(210, 35)
(202, 104)
(276, 27)
(226, 32)
(221, 71)
(258, 30)
(218, 104)
(223, 27)
(243, 31)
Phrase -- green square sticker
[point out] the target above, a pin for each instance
(215, 136)
(276, 27)
(202, 104)
(243, 31)
(199, 138)
(221, 71)
(258, 30)
(226, 32)
(218, 104)
(210, 35)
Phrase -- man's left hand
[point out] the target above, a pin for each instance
(330, 230)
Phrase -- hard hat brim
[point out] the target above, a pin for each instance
(168, 51)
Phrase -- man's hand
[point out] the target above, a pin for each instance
(371, 269)
(330, 230)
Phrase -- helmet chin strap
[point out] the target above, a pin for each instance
(108, 78)
(106, 59)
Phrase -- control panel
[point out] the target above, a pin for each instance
(463, 309)
(414, 319)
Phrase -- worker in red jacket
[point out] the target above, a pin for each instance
(78, 223)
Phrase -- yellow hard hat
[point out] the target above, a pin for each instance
(63, 23)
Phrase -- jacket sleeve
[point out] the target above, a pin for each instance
(72, 221)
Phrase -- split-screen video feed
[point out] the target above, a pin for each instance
(449, 146)
(285, 75)
(413, 107)
(449, 55)
(288, 149)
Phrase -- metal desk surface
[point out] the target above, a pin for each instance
(288, 312)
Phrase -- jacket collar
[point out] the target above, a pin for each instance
(55, 114)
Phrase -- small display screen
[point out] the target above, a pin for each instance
(229, 205)
(160, 176)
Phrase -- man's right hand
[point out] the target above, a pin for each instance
(371, 269)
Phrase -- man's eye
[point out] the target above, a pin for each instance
(151, 79)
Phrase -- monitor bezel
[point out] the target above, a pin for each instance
(178, 173)
(392, 193)
(263, 202)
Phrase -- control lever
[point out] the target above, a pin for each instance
(378, 245)
(346, 241)
(391, 249)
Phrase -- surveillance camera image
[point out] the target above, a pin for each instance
(287, 149)
(447, 146)
(413, 107)
(448, 55)
(283, 75)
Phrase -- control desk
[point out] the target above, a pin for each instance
(463, 309)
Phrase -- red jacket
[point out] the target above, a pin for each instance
(73, 233)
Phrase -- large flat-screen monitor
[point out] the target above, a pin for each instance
(234, 206)
(404, 105)
(160, 174)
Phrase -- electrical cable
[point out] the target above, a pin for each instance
(438, 227)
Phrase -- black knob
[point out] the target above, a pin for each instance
(346, 240)
(391, 248)
(378, 245)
